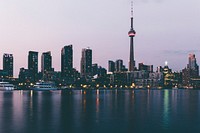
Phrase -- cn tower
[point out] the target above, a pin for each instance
(131, 34)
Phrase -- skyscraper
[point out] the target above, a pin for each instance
(33, 64)
(119, 65)
(86, 62)
(67, 61)
(192, 71)
(131, 34)
(193, 66)
(111, 66)
(192, 61)
(46, 62)
(8, 64)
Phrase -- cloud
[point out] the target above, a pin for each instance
(147, 1)
(181, 52)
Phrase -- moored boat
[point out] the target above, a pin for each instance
(6, 86)
(44, 86)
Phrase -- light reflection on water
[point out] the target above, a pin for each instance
(166, 110)
(83, 111)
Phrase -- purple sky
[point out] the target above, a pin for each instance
(166, 30)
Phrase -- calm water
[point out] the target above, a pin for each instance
(104, 111)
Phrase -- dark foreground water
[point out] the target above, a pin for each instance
(104, 111)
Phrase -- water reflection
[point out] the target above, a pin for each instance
(6, 105)
(100, 111)
(97, 101)
(166, 110)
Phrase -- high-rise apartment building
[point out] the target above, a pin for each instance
(46, 62)
(86, 62)
(111, 66)
(119, 65)
(33, 65)
(8, 64)
(67, 61)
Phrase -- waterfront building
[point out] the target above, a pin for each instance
(156, 79)
(54, 76)
(3, 74)
(143, 67)
(101, 79)
(67, 63)
(8, 64)
(167, 76)
(133, 79)
(186, 77)
(118, 79)
(33, 65)
(119, 65)
(191, 72)
(86, 63)
(177, 81)
(46, 62)
(25, 78)
(111, 66)
(102, 72)
(192, 65)
(171, 79)
(94, 69)
(136, 76)
(195, 82)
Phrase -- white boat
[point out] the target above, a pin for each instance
(44, 86)
(5, 86)
(175, 87)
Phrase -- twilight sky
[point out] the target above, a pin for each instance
(167, 30)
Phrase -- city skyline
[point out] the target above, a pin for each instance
(164, 30)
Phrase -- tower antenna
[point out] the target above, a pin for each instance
(131, 8)
(132, 14)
